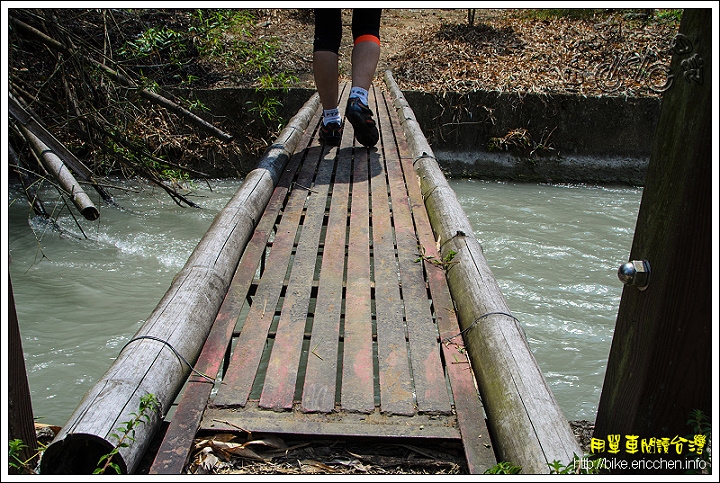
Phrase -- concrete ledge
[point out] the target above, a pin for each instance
(603, 170)
(539, 137)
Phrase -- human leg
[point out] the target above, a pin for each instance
(366, 46)
(325, 71)
(326, 44)
(365, 57)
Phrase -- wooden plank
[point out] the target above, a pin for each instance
(358, 387)
(249, 348)
(322, 367)
(429, 377)
(375, 425)
(477, 443)
(396, 389)
(283, 366)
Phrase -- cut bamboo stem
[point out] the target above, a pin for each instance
(54, 165)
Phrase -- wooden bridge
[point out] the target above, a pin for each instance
(344, 325)
(346, 314)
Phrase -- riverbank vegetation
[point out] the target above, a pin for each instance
(97, 80)
(100, 81)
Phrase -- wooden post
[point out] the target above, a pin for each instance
(20, 415)
(659, 368)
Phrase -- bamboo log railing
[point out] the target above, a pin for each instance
(528, 427)
(180, 323)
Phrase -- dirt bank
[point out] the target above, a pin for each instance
(552, 51)
(511, 94)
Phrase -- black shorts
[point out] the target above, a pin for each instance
(328, 26)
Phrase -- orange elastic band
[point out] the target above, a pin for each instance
(367, 38)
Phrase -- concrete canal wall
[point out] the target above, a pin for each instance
(485, 135)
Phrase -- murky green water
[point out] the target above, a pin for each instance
(555, 251)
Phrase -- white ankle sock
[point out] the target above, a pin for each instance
(331, 115)
(360, 93)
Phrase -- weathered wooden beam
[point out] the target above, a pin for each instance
(181, 321)
(528, 425)
(660, 366)
(20, 422)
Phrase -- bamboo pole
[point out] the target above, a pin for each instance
(54, 165)
(528, 427)
(29, 122)
(179, 324)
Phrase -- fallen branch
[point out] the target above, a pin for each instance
(27, 183)
(147, 174)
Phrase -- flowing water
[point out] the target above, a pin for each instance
(555, 251)
(82, 293)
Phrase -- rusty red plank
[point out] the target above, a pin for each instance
(321, 372)
(284, 364)
(357, 393)
(248, 350)
(429, 376)
(396, 389)
(470, 414)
